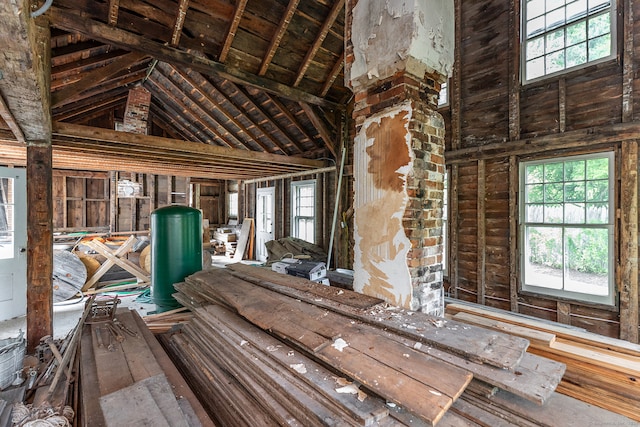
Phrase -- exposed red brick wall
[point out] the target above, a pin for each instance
(136, 115)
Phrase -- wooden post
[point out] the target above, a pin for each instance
(629, 246)
(39, 243)
(481, 232)
(454, 236)
(513, 234)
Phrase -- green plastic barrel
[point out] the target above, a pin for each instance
(176, 251)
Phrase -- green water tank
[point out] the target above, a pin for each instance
(176, 251)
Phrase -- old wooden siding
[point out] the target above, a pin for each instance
(518, 122)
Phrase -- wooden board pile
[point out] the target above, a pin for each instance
(270, 349)
(600, 370)
(126, 378)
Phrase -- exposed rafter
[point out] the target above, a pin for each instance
(233, 27)
(324, 30)
(183, 6)
(322, 129)
(277, 37)
(114, 5)
(6, 114)
(72, 21)
(332, 75)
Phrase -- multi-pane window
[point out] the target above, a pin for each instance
(443, 96)
(563, 34)
(303, 194)
(7, 217)
(567, 222)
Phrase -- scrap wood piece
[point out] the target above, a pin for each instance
(246, 233)
(114, 258)
(295, 321)
(261, 344)
(610, 401)
(599, 357)
(533, 335)
(266, 278)
(560, 330)
(477, 344)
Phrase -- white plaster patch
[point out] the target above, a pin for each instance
(299, 368)
(340, 344)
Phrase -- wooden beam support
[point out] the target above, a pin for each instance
(338, 6)
(582, 138)
(513, 234)
(39, 243)
(7, 116)
(337, 67)
(320, 126)
(481, 232)
(114, 5)
(70, 92)
(277, 37)
(70, 20)
(562, 105)
(233, 27)
(514, 69)
(454, 238)
(183, 6)
(629, 321)
(455, 90)
(25, 65)
(628, 61)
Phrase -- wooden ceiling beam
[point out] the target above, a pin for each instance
(325, 135)
(226, 135)
(209, 134)
(277, 37)
(95, 77)
(337, 67)
(113, 12)
(291, 117)
(152, 142)
(25, 64)
(267, 115)
(223, 111)
(97, 104)
(7, 116)
(324, 30)
(72, 21)
(183, 6)
(233, 27)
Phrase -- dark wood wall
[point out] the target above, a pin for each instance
(493, 123)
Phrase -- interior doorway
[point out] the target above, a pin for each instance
(265, 207)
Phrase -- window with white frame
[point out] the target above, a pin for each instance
(443, 96)
(567, 223)
(233, 206)
(303, 195)
(562, 34)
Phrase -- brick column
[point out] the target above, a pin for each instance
(398, 150)
(136, 115)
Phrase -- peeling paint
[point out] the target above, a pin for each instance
(396, 35)
(383, 160)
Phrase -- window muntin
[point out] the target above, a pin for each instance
(443, 96)
(567, 227)
(303, 194)
(562, 34)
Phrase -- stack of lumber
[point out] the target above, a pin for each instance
(131, 380)
(160, 323)
(270, 349)
(600, 370)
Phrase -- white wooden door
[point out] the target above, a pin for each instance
(13, 243)
(265, 207)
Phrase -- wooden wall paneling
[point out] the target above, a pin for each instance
(539, 307)
(454, 227)
(196, 196)
(467, 231)
(59, 201)
(629, 242)
(496, 219)
(513, 233)
(481, 230)
(39, 243)
(603, 321)
(539, 109)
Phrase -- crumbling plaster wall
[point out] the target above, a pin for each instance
(400, 35)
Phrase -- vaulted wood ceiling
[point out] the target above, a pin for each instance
(254, 75)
